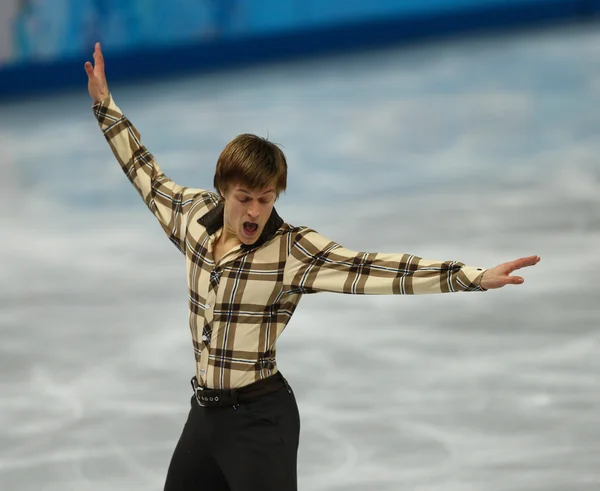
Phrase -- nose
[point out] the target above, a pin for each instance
(253, 211)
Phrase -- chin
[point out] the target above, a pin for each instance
(249, 240)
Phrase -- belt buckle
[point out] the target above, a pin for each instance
(198, 389)
(202, 400)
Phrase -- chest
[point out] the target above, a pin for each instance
(250, 280)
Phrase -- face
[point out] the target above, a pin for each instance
(247, 211)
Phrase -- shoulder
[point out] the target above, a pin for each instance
(295, 231)
(307, 239)
(204, 201)
(303, 231)
(209, 199)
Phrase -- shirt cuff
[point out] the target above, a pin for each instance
(105, 103)
(474, 275)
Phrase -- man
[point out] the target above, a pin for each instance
(247, 270)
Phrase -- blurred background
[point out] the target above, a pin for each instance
(450, 129)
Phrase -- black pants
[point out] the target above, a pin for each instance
(249, 448)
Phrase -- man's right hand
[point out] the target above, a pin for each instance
(97, 85)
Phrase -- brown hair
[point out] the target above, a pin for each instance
(252, 161)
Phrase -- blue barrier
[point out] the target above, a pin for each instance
(32, 79)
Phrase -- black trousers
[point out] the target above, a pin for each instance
(251, 447)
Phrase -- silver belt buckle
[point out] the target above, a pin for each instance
(203, 400)
(198, 389)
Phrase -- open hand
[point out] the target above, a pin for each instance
(97, 85)
(500, 275)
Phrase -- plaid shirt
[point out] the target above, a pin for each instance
(239, 306)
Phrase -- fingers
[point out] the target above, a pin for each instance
(524, 262)
(500, 275)
(98, 62)
(515, 280)
(518, 264)
(99, 57)
(89, 69)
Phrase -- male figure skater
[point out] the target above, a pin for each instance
(247, 270)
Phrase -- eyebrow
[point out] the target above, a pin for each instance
(243, 190)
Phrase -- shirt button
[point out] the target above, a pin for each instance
(202, 372)
(208, 306)
(205, 338)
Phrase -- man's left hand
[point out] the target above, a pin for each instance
(500, 275)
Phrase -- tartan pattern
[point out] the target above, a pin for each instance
(239, 307)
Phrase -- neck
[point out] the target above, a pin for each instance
(229, 237)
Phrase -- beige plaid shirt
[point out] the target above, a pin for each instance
(239, 307)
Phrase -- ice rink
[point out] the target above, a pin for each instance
(480, 150)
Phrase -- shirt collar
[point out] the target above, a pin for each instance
(213, 221)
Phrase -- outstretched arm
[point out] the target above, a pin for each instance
(169, 202)
(317, 264)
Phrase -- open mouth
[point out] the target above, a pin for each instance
(250, 228)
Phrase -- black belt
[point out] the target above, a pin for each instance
(233, 397)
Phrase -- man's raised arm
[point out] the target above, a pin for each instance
(169, 202)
